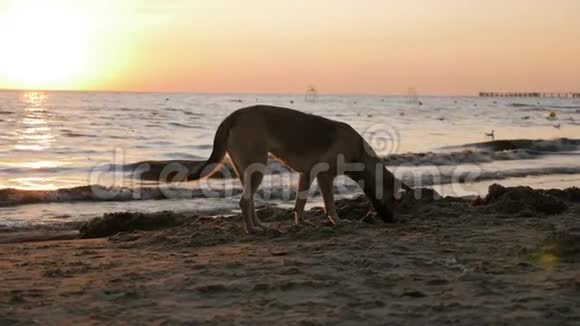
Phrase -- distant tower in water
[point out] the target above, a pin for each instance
(311, 94)
(413, 98)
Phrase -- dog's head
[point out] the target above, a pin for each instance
(385, 199)
(385, 208)
(380, 186)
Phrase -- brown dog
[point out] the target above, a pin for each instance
(313, 146)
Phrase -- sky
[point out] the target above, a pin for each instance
(438, 47)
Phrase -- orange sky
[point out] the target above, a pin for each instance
(341, 46)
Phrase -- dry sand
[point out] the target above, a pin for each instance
(445, 262)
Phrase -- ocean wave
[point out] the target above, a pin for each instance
(192, 113)
(487, 152)
(68, 133)
(528, 172)
(537, 145)
(564, 106)
(184, 155)
(456, 158)
(169, 169)
(279, 189)
(534, 109)
(156, 170)
(203, 146)
(424, 178)
(10, 197)
(522, 105)
(97, 193)
(182, 125)
(543, 107)
(48, 170)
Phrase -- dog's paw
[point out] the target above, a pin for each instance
(252, 230)
(336, 221)
(273, 232)
(304, 223)
(264, 226)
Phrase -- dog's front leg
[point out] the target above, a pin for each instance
(247, 206)
(304, 182)
(251, 222)
(326, 184)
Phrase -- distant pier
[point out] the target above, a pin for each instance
(529, 94)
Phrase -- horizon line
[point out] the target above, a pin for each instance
(418, 94)
(226, 93)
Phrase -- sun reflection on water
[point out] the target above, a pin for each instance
(35, 183)
(33, 132)
(41, 164)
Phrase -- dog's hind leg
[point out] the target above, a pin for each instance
(256, 180)
(304, 182)
(246, 202)
(250, 166)
(326, 184)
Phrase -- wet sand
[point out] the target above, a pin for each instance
(445, 262)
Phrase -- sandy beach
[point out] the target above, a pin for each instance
(143, 144)
(448, 261)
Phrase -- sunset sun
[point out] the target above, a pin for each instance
(44, 47)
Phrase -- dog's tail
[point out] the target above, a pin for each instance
(218, 152)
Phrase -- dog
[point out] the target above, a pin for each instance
(313, 146)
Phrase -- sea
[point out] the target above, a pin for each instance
(66, 157)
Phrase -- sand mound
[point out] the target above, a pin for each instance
(569, 194)
(110, 224)
(218, 228)
(209, 231)
(425, 203)
(200, 231)
(180, 229)
(521, 201)
(204, 232)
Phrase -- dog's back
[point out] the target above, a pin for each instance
(298, 139)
